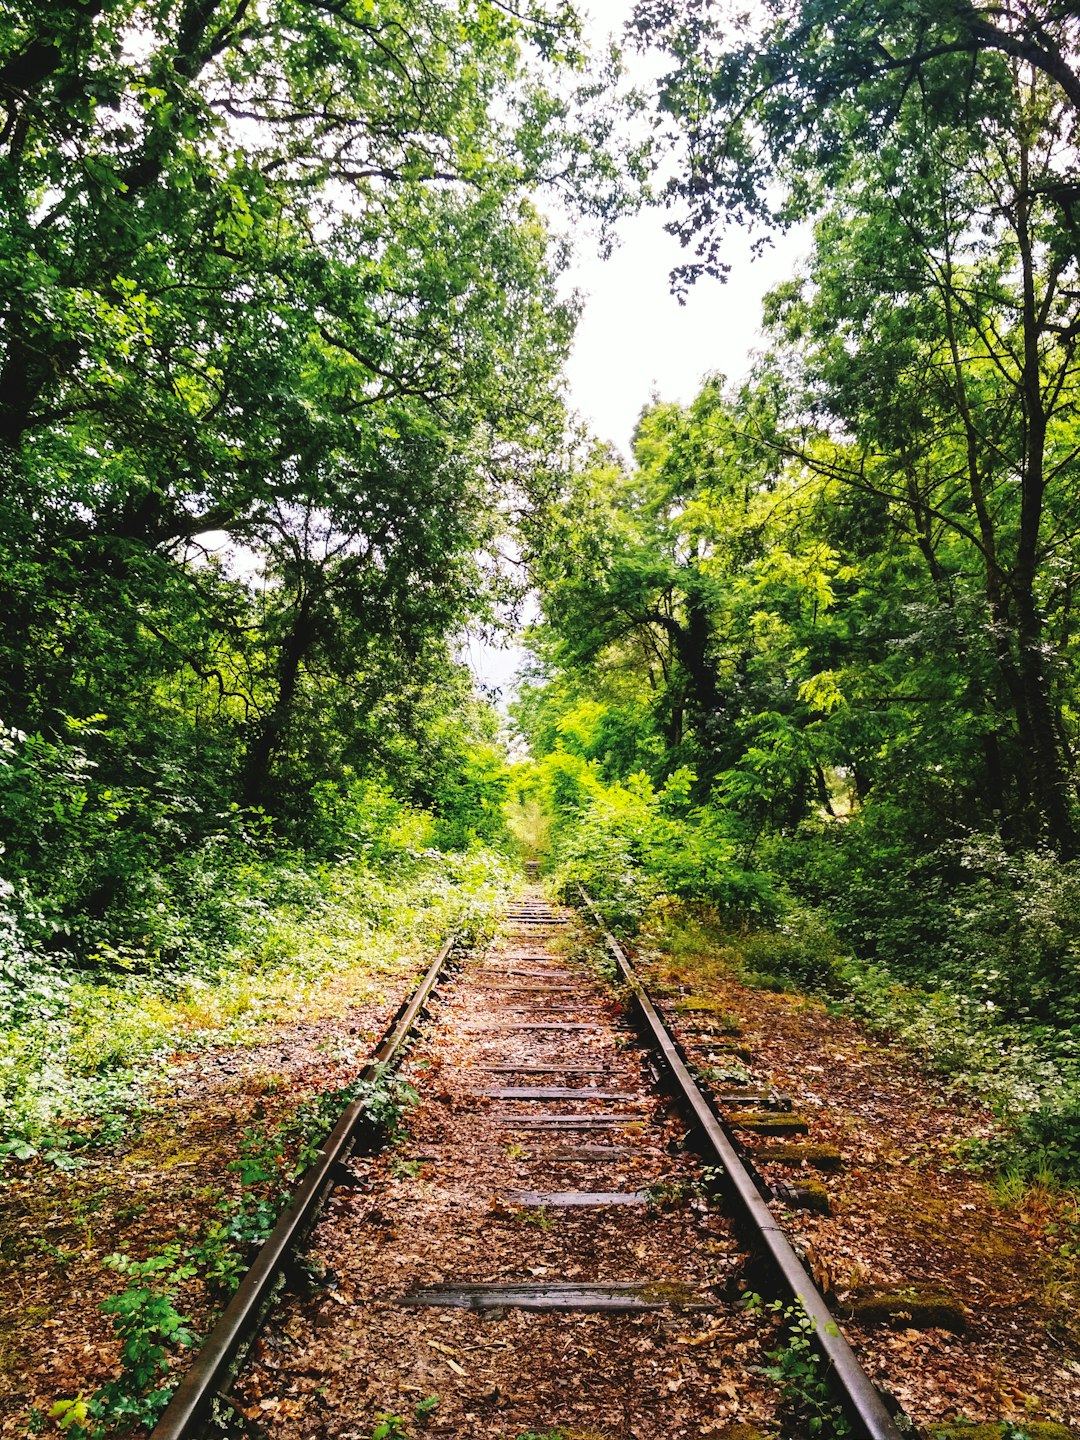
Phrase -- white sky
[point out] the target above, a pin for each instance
(634, 339)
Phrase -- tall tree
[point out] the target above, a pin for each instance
(938, 141)
(271, 278)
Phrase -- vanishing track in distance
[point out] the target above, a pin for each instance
(564, 1178)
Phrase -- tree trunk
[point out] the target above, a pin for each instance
(274, 728)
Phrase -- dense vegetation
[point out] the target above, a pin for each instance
(280, 368)
(280, 335)
(811, 656)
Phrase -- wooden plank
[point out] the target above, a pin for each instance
(554, 973)
(629, 1297)
(582, 1154)
(554, 1092)
(550, 1025)
(533, 1069)
(565, 1122)
(576, 1199)
(530, 986)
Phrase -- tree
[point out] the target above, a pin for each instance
(698, 573)
(272, 279)
(937, 143)
(768, 106)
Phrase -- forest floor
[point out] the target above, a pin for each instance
(908, 1219)
(905, 1212)
(185, 1165)
(162, 1184)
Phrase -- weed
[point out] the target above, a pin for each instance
(424, 1409)
(671, 1192)
(150, 1327)
(248, 946)
(800, 1372)
(537, 1216)
(389, 1427)
(406, 1169)
(730, 1073)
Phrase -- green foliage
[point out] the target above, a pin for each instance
(998, 925)
(264, 391)
(76, 1048)
(628, 842)
(145, 1315)
(801, 1373)
(802, 950)
(389, 1427)
(150, 1327)
(791, 691)
(424, 1409)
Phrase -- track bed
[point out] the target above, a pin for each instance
(537, 1252)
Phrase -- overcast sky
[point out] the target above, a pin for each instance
(634, 339)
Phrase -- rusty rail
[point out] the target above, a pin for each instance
(227, 1342)
(857, 1393)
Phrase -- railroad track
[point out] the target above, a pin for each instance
(546, 1185)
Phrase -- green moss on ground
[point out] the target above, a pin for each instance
(719, 1017)
(808, 1195)
(818, 1157)
(999, 1429)
(911, 1310)
(770, 1122)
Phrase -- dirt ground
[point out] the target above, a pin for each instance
(453, 1204)
(158, 1186)
(477, 1195)
(905, 1214)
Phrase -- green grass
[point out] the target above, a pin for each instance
(77, 1049)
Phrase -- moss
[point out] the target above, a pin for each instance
(739, 1052)
(911, 1310)
(807, 1195)
(670, 1292)
(766, 1122)
(818, 1157)
(999, 1429)
(718, 1016)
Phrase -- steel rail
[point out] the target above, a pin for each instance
(857, 1393)
(239, 1322)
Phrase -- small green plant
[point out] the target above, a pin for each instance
(729, 1073)
(424, 1409)
(406, 1169)
(535, 1215)
(389, 1427)
(800, 1372)
(670, 1192)
(147, 1321)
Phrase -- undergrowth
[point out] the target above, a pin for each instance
(800, 1372)
(146, 1315)
(1029, 1073)
(79, 1044)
